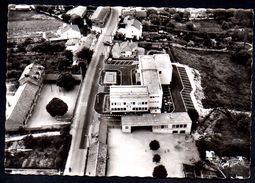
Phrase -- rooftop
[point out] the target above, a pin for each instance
(162, 61)
(100, 13)
(156, 119)
(149, 74)
(32, 72)
(128, 91)
(79, 10)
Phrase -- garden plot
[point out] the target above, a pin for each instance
(130, 155)
(40, 117)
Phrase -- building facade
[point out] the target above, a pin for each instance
(177, 122)
(129, 98)
(151, 72)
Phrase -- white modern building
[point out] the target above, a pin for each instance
(149, 77)
(177, 122)
(129, 98)
(153, 71)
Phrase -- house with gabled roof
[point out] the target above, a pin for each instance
(133, 28)
(67, 31)
(30, 82)
(100, 16)
(124, 50)
(79, 10)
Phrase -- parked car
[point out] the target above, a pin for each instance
(108, 43)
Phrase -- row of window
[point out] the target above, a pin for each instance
(139, 108)
(133, 103)
(154, 101)
(154, 96)
(119, 109)
(180, 126)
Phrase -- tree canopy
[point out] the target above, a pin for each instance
(56, 107)
(66, 81)
(154, 145)
(159, 172)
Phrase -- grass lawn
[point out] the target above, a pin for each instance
(225, 84)
(40, 117)
(130, 155)
(22, 23)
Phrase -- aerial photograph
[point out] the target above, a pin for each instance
(155, 92)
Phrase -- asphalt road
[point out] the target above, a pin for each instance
(85, 113)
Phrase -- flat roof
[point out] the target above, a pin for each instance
(162, 61)
(129, 91)
(147, 62)
(110, 78)
(156, 119)
(149, 74)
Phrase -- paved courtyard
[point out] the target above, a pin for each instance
(130, 155)
(40, 117)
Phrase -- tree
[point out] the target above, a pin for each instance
(89, 22)
(29, 141)
(68, 54)
(190, 26)
(159, 172)
(66, 18)
(226, 25)
(76, 20)
(66, 81)
(56, 107)
(154, 145)
(156, 158)
(85, 53)
(240, 56)
(58, 162)
(154, 18)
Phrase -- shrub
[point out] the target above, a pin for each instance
(29, 141)
(76, 20)
(56, 107)
(159, 172)
(13, 74)
(85, 53)
(68, 54)
(156, 158)
(226, 25)
(66, 81)
(190, 26)
(240, 56)
(66, 18)
(154, 145)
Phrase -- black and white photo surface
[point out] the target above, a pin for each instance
(128, 91)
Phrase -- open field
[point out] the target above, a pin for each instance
(27, 22)
(41, 117)
(226, 84)
(130, 155)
